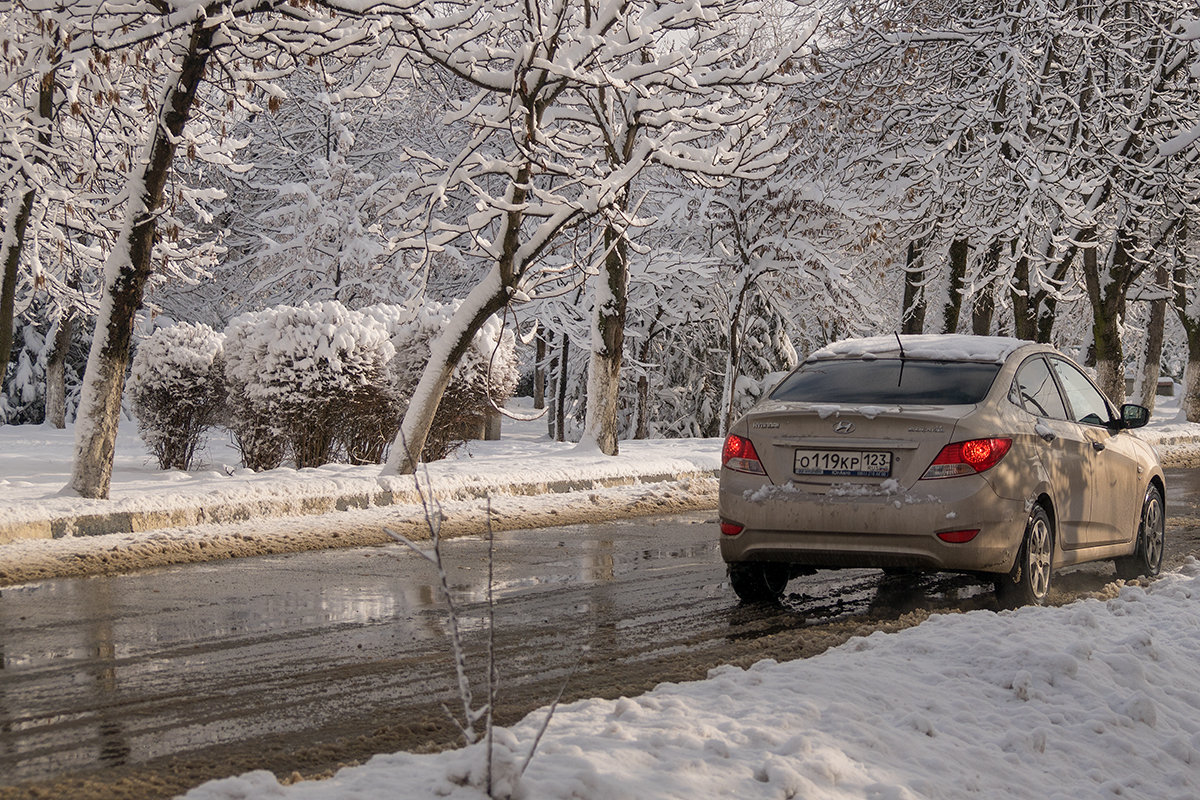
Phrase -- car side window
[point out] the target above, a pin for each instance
(1037, 391)
(1087, 403)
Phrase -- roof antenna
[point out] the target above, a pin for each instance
(901, 344)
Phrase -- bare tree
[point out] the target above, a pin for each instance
(574, 100)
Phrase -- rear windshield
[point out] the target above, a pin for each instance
(888, 380)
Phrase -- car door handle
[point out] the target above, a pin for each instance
(1097, 446)
(1048, 436)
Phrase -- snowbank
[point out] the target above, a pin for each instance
(1097, 699)
(35, 464)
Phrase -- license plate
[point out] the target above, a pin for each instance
(844, 463)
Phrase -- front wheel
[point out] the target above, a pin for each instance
(758, 582)
(1029, 581)
(1147, 556)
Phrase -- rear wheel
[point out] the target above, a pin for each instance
(1029, 581)
(758, 581)
(1148, 555)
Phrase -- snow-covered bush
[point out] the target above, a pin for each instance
(296, 373)
(487, 372)
(177, 387)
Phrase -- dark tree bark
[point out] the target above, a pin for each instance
(912, 315)
(20, 209)
(983, 309)
(56, 371)
(604, 367)
(1154, 339)
(960, 249)
(129, 267)
(539, 373)
(560, 411)
(642, 429)
(10, 253)
(1108, 311)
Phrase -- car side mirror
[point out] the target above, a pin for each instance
(1134, 416)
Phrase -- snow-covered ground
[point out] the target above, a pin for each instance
(216, 510)
(1099, 699)
(35, 466)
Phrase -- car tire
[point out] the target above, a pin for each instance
(1146, 560)
(758, 581)
(1029, 581)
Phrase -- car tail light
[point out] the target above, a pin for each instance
(739, 454)
(731, 528)
(958, 537)
(967, 458)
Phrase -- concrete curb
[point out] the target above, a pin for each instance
(218, 512)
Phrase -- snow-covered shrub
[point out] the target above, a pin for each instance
(296, 372)
(489, 369)
(177, 386)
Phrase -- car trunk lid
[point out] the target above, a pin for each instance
(818, 445)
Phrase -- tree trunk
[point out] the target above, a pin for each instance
(56, 371)
(733, 358)
(1190, 402)
(1108, 315)
(1189, 318)
(1047, 314)
(960, 249)
(983, 309)
(912, 315)
(560, 413)
(488, 297)
(539, 372)
(1024, 309)
(642, 430)
(20, 208)
(128, 267)
(1154, 340)
(608, 337)
(552, 385)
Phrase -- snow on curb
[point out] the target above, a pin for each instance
(307, 501)
(30, 560)
(144, 498)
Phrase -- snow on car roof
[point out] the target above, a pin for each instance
(940, 347)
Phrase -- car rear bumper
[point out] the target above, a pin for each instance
(865, 526)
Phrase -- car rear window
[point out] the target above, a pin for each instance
(889, 380)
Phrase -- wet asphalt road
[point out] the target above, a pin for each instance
(144, 685)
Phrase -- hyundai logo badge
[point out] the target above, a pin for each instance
(845, 426)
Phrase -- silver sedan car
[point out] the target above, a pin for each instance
(973, 454)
